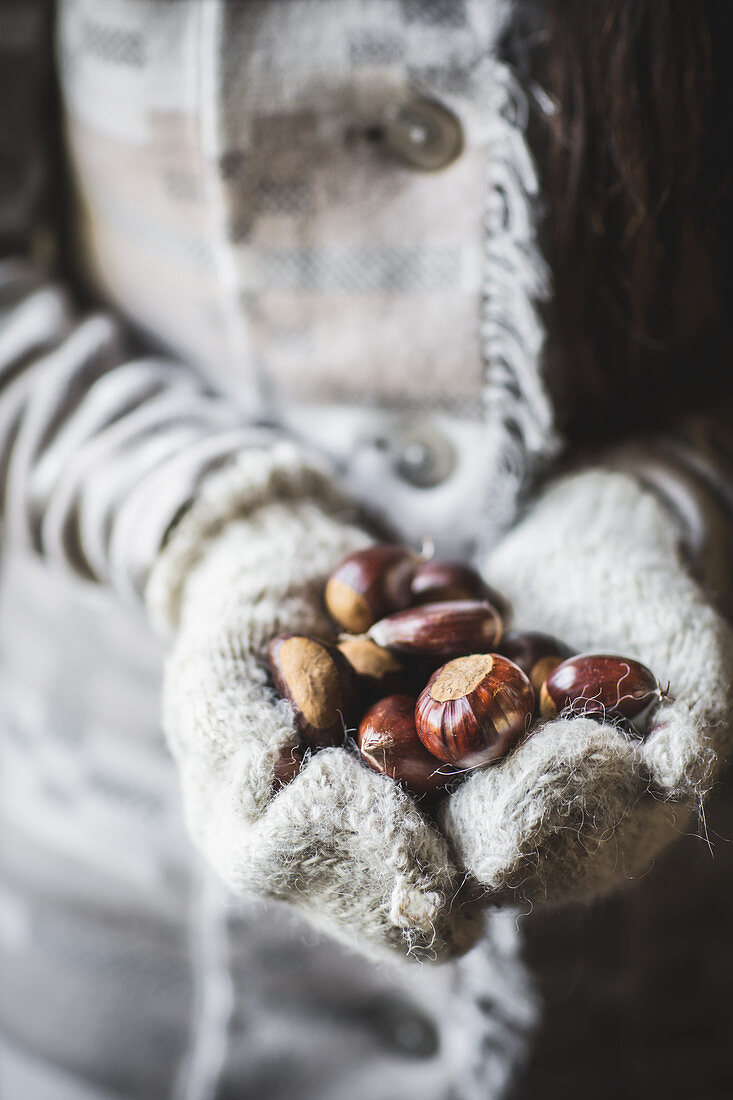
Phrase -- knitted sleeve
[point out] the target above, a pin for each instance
(100, 450)
(690, 468)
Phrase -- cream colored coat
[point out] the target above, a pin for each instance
(253, 204)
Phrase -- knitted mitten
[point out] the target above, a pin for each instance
(343, 844)
(581, 804)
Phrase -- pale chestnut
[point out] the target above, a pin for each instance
(379, 671)
(318, 682)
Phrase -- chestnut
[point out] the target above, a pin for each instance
(444, 579)
(474, 709)
(287, 766)
(379, 671)
(389, 744)
(536, 654)
(317, 681)
(440, 629)
(370, 583)
(599, 685)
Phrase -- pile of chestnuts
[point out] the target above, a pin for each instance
(426, 679)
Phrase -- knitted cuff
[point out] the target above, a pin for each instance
(697, 490)
(281, 473)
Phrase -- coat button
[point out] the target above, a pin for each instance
(423, 134)
(402, 1028)
(421, 454)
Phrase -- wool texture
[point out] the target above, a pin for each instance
(259, 475)
(581, 805)
(496, 1011)
(342, 844)
(520, 420)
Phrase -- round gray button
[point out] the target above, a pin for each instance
(403, 1028)
(423, 133)
(421, 453)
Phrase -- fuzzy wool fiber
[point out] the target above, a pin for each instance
(574, 809)
(346, 846)
(582, 805)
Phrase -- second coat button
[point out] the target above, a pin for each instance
(423, 133)
(420, 453)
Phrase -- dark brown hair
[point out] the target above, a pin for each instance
(637, 166)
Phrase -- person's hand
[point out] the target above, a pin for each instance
(580, 805)
(346, 846)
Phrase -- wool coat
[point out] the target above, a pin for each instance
(320, 222)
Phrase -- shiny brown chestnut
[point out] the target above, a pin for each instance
(317, 681)
(536, 654)
(287, 765)
(444, 629)
(474, 709)
(445, 579)
(370, 583)
(599, 685)
(379, 671)
(389, 744)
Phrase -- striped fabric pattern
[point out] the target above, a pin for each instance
(254, 249)
(126, 972)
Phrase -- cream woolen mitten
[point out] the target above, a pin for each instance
(346, 846)
(581, 805)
